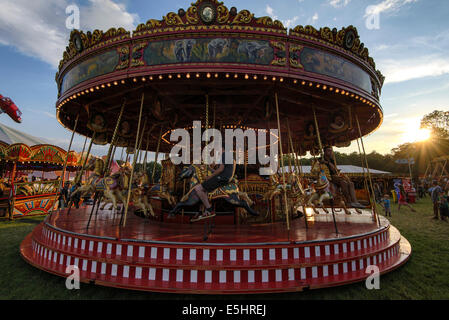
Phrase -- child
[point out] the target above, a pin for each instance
(386, 204)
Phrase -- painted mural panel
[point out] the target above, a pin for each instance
(330, 65)
(209, 50)
(91, 68)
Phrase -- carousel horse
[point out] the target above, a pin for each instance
(295, 192)
(329, 193)
(138, 195)
(230, 193)
(166, 184)
(111, 187)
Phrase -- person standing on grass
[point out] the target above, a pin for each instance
(444, 207)
(435, 192)
(403, 199)
(385, 202)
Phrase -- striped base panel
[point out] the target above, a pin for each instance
(159, 257)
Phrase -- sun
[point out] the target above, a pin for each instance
(422, 135)
(412, 131)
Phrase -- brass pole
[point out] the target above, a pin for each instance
(79, 177)
(68, 151)
(157, 155)
(282, 163)
(365, 178)
(82, 152)
(292, 150)
(146, 153)
(139, 153)
(318, 132)
(114, 136)
(130, 183)
(80, 174)
(369, 173)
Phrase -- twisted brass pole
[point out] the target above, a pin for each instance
(128, 198)
(282, 163)
(68, 151)
(369, 173)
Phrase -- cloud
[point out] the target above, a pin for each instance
(314, 18)
(287, 23)
(290, 22)
(269, 10)
(339, 3)
(385, 6)
(38, 28)
(414, 68)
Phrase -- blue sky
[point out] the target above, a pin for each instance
(410, 47)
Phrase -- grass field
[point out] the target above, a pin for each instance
(423, 277)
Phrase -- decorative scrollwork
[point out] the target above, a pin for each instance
(295, 56)
(243, 17)
(192, 15)
(137, 54)
(280, 57)
(222, 14)
(124, 58)
(267, 21)
(173, 19)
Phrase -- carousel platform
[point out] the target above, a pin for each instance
(165, 257)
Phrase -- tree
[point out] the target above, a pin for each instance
(438, 123)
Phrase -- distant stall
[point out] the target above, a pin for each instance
(22, 192)
(358, 175)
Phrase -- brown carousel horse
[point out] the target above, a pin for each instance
(230, 193)
(166, 185)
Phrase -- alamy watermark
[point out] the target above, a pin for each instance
(73, 280)
(373, 280)
(372, 18)
(256, 147)
(73, 19)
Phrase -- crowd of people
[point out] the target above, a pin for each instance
(437, 190)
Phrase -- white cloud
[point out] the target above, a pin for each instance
(270, 11)
(339, 3)
(386, 6)
(314, 18)
(287, 23)
(414, 68)
(290, 22)
(38, 28)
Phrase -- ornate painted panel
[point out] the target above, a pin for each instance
(222, 50)
(327, 64)
(96, 66)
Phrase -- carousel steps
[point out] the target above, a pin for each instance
(219, 269)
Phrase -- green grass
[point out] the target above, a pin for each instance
(423, 277)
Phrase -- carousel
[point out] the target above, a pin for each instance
(302, 91)
(24, 188)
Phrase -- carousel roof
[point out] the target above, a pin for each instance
(32, 153)
(12, 136)
(236, 60)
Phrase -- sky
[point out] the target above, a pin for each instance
(408, 39)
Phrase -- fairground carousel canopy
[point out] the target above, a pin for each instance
(227, 59)
(39, 157)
